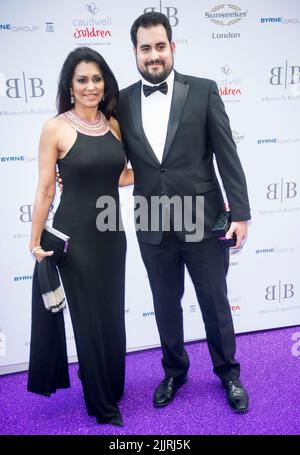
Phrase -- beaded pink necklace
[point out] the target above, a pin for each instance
(97, 128)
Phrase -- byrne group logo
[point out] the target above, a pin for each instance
(170, 11)
(93, 27)
(263, 251)
(5, 27)
(16, 159)
(277, 141)
(148, 314)
(279, 20)
(49, 27)
(19, 28)
(12, 159)
(19, 278)
(26, 28)
(271, 20)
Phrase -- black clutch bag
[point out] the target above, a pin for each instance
(221, 228)
(52, 239)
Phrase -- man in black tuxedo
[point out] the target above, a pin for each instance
(172, 125)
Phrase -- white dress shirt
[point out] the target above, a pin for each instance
(155, 115)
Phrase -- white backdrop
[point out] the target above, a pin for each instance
(251, 49)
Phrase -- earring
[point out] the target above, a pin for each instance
(72, 98)
(103, 98)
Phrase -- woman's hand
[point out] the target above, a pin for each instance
(59, 181)
(39, 254)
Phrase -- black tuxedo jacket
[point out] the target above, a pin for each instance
(198, 129)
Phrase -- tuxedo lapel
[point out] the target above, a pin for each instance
(180, 92)
(136, 112)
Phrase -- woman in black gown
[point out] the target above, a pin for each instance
(84, 140)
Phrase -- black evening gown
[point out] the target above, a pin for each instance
(94, 276)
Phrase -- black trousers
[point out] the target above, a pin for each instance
(207, 263)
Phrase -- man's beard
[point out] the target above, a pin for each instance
(156, 78)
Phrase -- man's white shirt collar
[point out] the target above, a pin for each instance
(155, 115)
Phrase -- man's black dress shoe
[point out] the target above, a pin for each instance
(165, 391)
(237, 396)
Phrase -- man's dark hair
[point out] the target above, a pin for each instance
(111, 89)
(147, 20)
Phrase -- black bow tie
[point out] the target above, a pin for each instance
(148, 89)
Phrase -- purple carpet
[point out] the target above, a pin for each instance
(270, 371)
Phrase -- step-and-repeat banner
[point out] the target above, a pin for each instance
(251, 49)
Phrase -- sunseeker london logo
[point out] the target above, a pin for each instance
(225, 15)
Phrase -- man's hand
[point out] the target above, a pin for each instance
(59, 182)
(240, 229)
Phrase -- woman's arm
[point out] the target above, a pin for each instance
(127, 177)
(48, 153)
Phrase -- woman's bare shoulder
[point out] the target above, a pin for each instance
(54, 125)
(51, 125)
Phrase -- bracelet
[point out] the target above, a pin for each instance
(36, 248)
